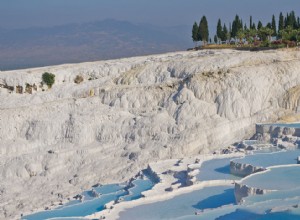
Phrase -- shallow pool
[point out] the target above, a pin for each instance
(271, 159)
(293, 214)
(287, 125)
(280, 178)
(215, 170)
(107, 193)
(182, 205)
(258, 208)
(279, 195)
(136, 191)
(80, 210)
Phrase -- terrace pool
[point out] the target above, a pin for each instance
(280, 178)
(107, 193)
(271, 159)
(216, 169)
(288, 125)
(136, 191)
(214, 202)
(78, 210)
(182, 205)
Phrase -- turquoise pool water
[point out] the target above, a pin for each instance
(251, 142)
(182, 205)
(288, 125)
(267, 149)
(276, 178)
(220, 205)
(136, 191)
(258, 207)
(68, 218)
(80, 210)
(216, 202)
(273, 196)
(91, 205)
(110, 188)
(287, 215)
(252, 215)
(271, 159)
(215, 170)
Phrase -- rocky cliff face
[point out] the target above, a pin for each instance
(126, 113)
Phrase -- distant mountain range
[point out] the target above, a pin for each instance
(108, 39)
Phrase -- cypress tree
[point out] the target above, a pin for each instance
(273, 26)
(219, 29)
(234, 28)
(195, 31)
(250, 22)
(237, 25)
(293, 21)
(280, 24)
(224, 33)
(289, 20)
(215, 39)
(259, 25)
(286, 21)
(203, 30)
(206, 28)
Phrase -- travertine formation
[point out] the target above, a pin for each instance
(243, 169)
(241, 191)
(126, 113)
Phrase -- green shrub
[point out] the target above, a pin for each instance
(265, 43)
(48, 78)
(79, 79)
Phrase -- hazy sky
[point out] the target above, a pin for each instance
(26, 13)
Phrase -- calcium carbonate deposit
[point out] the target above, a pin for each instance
(103, 122)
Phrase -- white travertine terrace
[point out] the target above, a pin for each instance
(129, 112)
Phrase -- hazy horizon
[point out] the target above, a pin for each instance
(40, 32)
(40, 13)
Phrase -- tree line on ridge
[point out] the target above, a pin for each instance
(285, 32)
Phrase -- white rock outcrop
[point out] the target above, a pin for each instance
(243, 170)
(241, 191)
(56, 142)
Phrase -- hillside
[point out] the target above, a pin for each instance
(128, 112)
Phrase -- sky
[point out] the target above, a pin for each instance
(28, 13)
